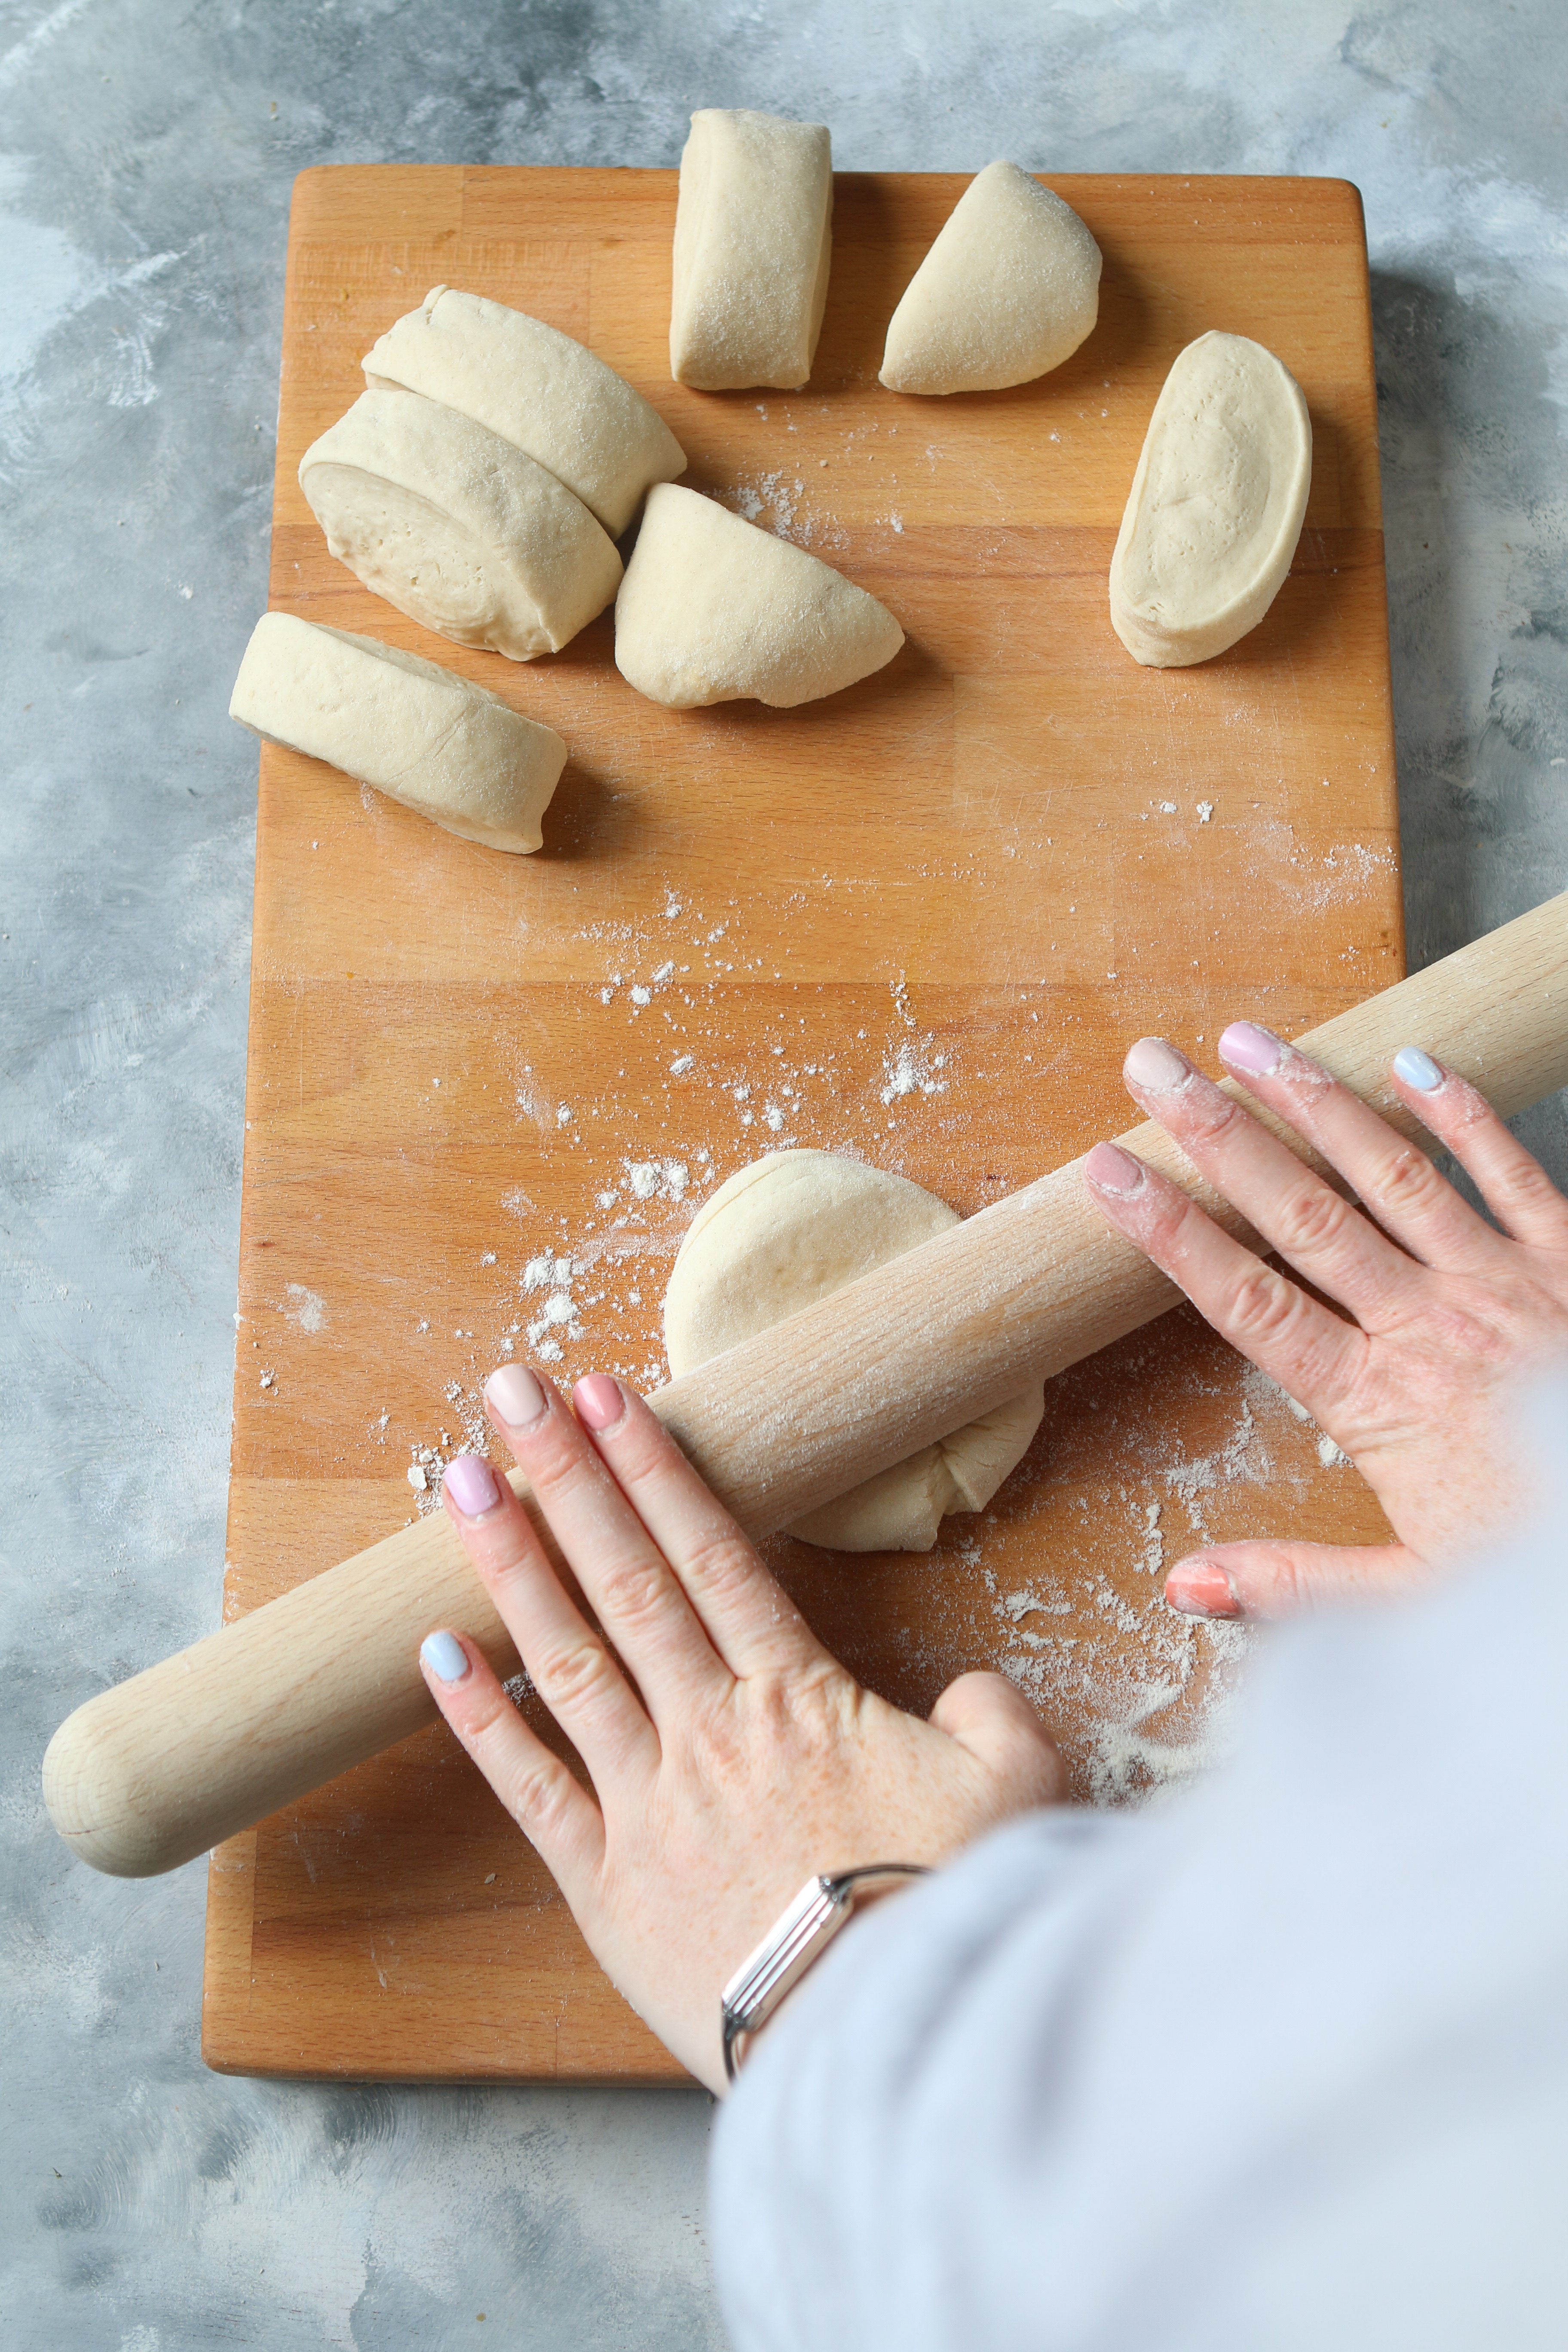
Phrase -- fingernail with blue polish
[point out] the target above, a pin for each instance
(446, 1656)
(1417, 1069)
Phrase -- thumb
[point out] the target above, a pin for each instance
(991, 1718)
(1282, 1579)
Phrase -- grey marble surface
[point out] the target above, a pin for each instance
(146, 152)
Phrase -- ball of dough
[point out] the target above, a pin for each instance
(1217, 504)
(1009, 290)
(753, 234)
(458, 528)
(792, 1229)
(536, 388)
(713, 608)
(415, 731)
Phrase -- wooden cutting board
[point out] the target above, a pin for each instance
(918, 923)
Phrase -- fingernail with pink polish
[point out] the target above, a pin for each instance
(1112, 1170)
(1200, 1587)
(472, 1485)
(515, 1396)
(1156, 1069)
(599, 1402)
(444, 1655)
(1247, 1047)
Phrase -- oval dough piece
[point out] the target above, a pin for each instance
(753, 236)
(1217, 504)
(713, 608)
(792, 1229)
(458, 528)
(1009, 290)
(418, 733)
(538, 390)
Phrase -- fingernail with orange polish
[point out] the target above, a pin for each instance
(1245, 1046)
(1156, 1069)
(1200, 1587)
(1111, 1170)
(598, 1401)
(515, 1396)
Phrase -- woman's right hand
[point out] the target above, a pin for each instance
(1444, 1315)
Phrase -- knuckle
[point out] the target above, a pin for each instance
(720, 1563)
(533, 1794)
(1264, 1305)
(633, 1592)
(1208, 1115)
(1311, 1220)
(573, 1676)
(1409, 1183)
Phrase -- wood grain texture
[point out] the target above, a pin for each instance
(991, 853)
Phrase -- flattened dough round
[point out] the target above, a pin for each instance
(1217, 504)
(458, 528)
(1008, 290)
(753, 236)
(713, 608)
(538, 389)
(418, 733)
(792, 1229)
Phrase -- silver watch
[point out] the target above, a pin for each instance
(800, 1936)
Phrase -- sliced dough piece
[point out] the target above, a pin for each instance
(458, 528)
(753, 235)
(713, 608)
(792, 1229)
(538, 389)
(415, 731)
(1009, 290)
(1217, 504)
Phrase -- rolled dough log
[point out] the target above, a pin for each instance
(786, 1232)
(713, 608)
(415, 731)
(537, 389)
(753, 234)
(1217, 504)
(1009, 290)
(458, 528)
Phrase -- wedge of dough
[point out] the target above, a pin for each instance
(458, 528)
(713, 608)
(1217, 504)
(792, 1229)
(415, 731)
(753, 236)
(1009, 290)
(538, 389)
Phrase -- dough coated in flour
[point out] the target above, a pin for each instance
(792, 1229)
(458, 528)
(538, 389)
(418, 733)
(753, 236)
(1217, 504)
(1009, 290)
(713, 608)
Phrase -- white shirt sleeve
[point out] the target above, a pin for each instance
(1280, 2063)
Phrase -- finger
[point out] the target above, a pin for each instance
(751, 1620)
(567, 1658)
(548, 1804)
(1322, 1234)
(1410, 1198)
(1313, 1354)
(636, 1596)
(1281, 1580)
(1514, 1186)
(991, 1718)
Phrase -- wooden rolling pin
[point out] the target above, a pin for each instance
(147, 1775)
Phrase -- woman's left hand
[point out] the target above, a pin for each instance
(731, 1757)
